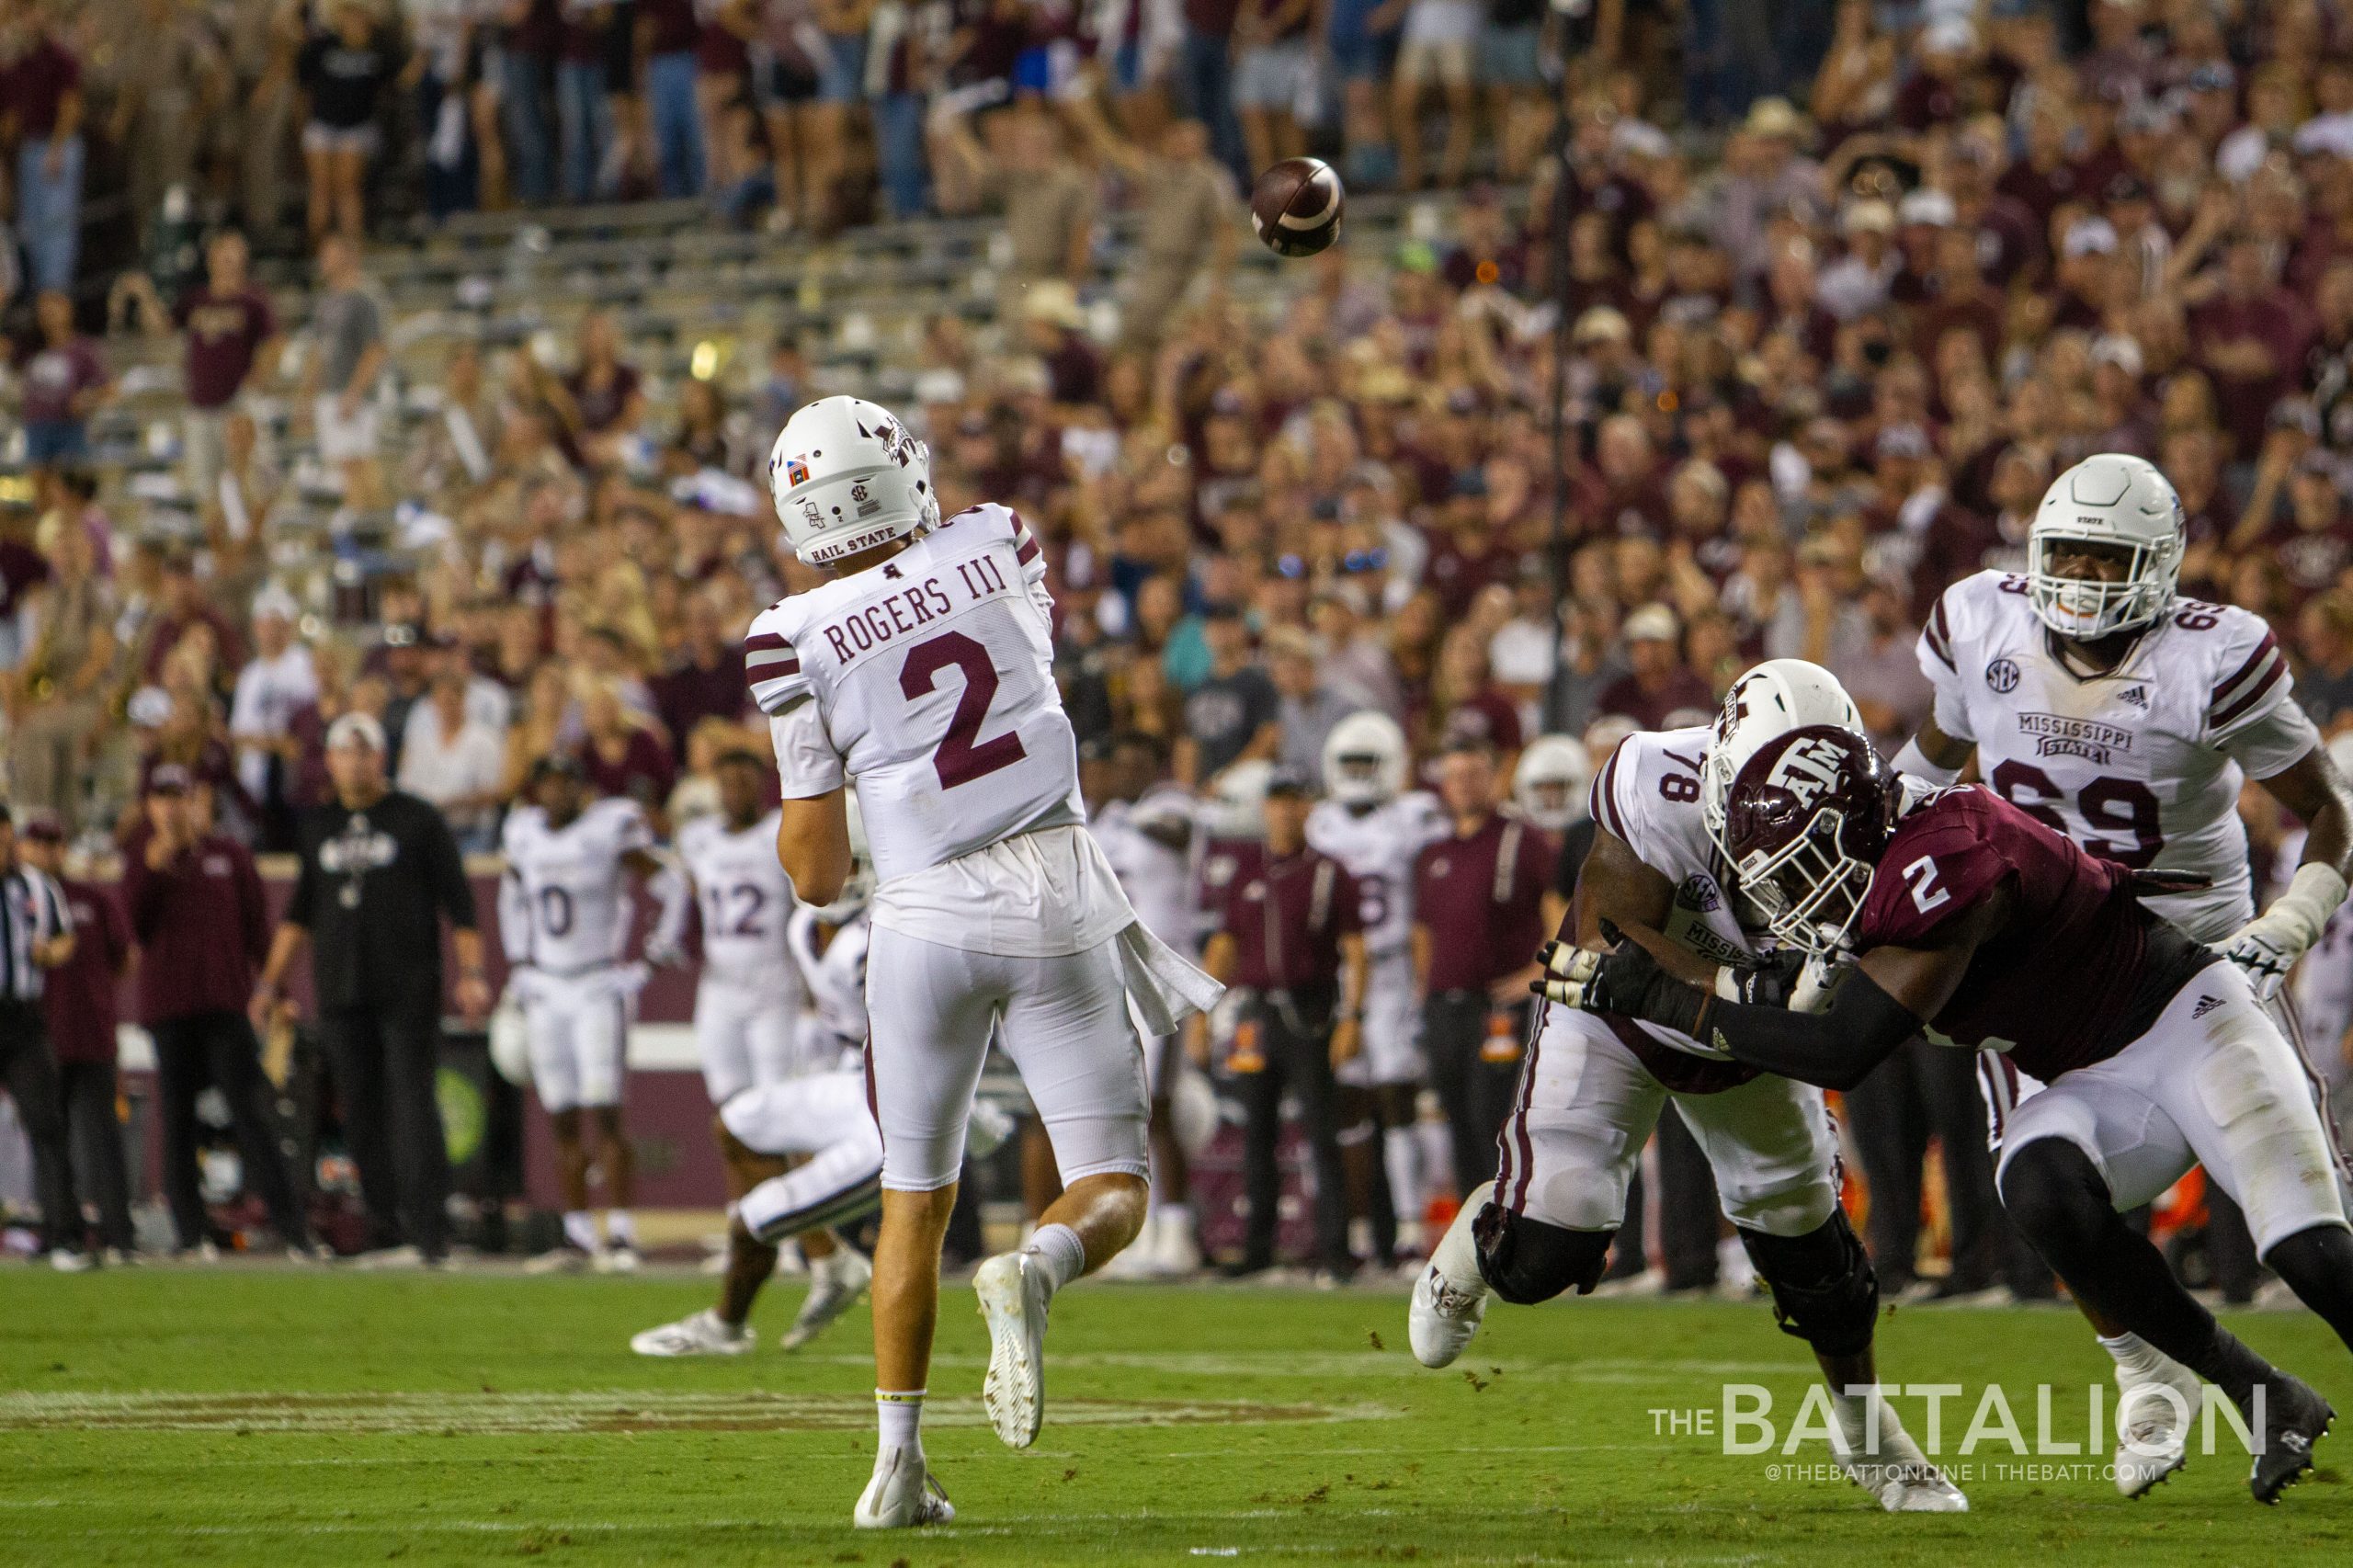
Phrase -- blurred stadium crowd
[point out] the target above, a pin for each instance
(1829, 291)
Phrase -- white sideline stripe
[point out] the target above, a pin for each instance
(653, 1048)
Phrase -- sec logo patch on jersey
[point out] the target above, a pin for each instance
(2002, 674)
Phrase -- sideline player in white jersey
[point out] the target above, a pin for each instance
(2128, 718)
(922, 674)
(564, 914)
(1375, 828)
(1145, 825)
(1593, 1085)
(749, 999)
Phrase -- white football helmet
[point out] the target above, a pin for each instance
(1767, 703)
(1364, 760)
(859, 890)
(847, 476)
(2115, 499)
(1551, 782)
(1236, 807)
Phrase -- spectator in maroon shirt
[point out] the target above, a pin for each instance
(180, 604)
(196, 903)
(2250, 336)
(62, 383)
(1658, 692)
(708, 680)
(1291, 937)
(79, 997)
(606, 403)
(1479, 917)
(232, 337)
(622, 755)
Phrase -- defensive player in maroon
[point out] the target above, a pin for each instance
(1972, 923)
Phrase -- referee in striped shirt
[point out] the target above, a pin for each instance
(36, 936)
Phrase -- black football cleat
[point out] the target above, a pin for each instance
(2294, 1418)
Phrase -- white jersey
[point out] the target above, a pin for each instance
(1648, 795)
(836, 979)
(565, 907)
(1157, 879)
(928, 681)
(1377, 847)
(743, 897)
(2142, 765)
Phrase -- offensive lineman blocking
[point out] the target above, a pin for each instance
(921, 675)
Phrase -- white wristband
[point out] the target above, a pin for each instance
(1915, 761)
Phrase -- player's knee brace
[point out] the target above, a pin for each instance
(1825, 1291)
(1526, 1261)
(2057, 1199)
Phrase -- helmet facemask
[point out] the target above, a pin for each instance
(1361, 778)
(1810, 891)
(2086, 609)
(1804, 828)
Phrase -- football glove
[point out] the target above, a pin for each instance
(1625, 979)
(2268, 947)
(1771, 981)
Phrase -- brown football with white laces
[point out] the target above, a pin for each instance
(1295, 207)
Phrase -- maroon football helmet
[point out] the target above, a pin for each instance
(1804, 823)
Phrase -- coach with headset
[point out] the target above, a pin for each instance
(379, 872)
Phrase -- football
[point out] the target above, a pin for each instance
(1296, 206)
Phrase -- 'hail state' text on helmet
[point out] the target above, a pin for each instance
(1805, 826)
(1767, 703)
(2114, 499)
(1364, 760)
(847, 477)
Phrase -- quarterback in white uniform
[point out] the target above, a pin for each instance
(2128, 718)
(1593, 1085)
(922, 674)
(1376, 828)
(749, 999)
(564, 914)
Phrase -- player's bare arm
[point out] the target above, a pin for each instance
(1616, 886)
(1942, 751)
(1348, 1026)
(812, 846)
(1893, 992)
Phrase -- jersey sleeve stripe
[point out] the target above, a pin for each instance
(2223, 718)
(2228, 687)
(1603, 808)
(1938, 634)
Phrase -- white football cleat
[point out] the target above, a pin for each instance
(619, 1258)
(564, 1258)
(1013, 1291)
(1450, 1297)
(704, 1334)
(2156, 1431)
(902, 1494)
(1897, 1474)
(1175, 1252)
(835, 1282)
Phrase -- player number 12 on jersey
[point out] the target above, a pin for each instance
(961, 756)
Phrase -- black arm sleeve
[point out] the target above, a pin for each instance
(1835, 1049)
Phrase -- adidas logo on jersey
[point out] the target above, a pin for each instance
(2205, 1005)
(2136, 696)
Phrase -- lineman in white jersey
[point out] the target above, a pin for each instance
(1375, 828)
(749, 999)
(923, 675)
(564, 914)
(1593, 1086)
(1145, 826)
(2128, 718)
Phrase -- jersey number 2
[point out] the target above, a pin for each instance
(962, 756)
(1926, 895)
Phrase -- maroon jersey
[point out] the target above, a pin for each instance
(2080, 971)
(1287, 914)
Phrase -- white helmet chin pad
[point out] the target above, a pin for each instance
(847, 477)
(1767, 703)
(1364, 759)
(2110, 499)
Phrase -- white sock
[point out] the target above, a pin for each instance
(1059, 1248)
(900, 1415)
(580, 1228)
(2132, 1353)
(620, 1229)
(1173, 1219)
(1401, 1155)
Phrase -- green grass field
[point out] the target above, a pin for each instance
(277, 1417)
